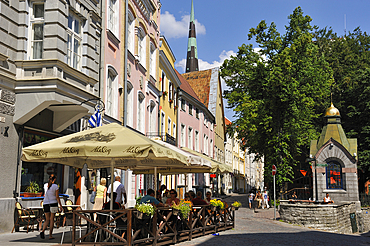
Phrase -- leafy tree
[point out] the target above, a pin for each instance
(349, 58)
(278, 92)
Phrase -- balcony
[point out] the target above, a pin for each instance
(165, 137)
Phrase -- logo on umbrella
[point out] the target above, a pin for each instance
(102, 149)
(39, 153)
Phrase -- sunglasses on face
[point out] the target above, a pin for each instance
(172, 193)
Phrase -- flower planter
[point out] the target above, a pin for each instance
(31, 194)
(142, 216)
(234, 208)
(175, 212)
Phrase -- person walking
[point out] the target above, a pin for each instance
(265, 198)
(50, 204)
(119, 189)
(251, 198)
(101, 195)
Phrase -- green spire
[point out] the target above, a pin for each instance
(192, 52)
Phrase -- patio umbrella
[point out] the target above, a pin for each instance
(110, 145)
(197, 163)
(217, 167)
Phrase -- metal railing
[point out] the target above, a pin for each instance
(165, 137)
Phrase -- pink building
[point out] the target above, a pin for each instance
(196, 131)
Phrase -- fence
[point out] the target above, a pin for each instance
(130, 227)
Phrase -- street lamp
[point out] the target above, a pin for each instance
(309, 160)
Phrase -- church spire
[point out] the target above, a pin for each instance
(192, 53)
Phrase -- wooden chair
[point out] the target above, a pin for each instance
(24, 217)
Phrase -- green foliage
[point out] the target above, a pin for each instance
(138, 199)
(236, 204)
(277, 203)
(217, 203)
(278, 93)
(145, 208)
(184, 207)
(33, 187)
(349, 57)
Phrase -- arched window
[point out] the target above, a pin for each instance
(140, 112)
(130, 33)
(141, 48)
(153, 60)
(111, 92)
(334, 179)
(130, 105)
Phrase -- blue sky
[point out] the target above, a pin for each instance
(222, 26)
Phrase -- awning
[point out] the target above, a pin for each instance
(198, 164)
(217, 167)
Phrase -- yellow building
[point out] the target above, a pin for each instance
(168, 85)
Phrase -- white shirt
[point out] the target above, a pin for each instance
(327, 199)
(50, 197)
(119, 189)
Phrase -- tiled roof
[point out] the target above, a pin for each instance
(200, 82)
(186, 87)
(227, 121)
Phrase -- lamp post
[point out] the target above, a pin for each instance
(314, 160)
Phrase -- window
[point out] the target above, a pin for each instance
(37, 30)
(112, 16)
(334, 179)
(130, 33)
(74, 42)
(183, 104)
(169, 126)
(162, 123)
(190, 138)
(197, 113)
(170, 91)
(111, 93)
(190, 109)
(211, 148)
(153, 60)
(152, 117)
(205, 144)
(140, 112)
(141, 46)
(163, 82)
(174, 130)
(183, 135)
(197, 141)
(130, 105)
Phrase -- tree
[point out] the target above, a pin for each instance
(349, 58)
(278, 92)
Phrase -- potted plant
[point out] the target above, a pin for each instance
(217, 204)
(184, 207)
(164, 93)
(171, 101)
(146, 210)
(32, 190)
(236, 205)
(175, 107)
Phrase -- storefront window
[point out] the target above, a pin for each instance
(38, 171)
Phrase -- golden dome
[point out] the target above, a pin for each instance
(332, 111)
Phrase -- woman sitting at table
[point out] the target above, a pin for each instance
(50, 204)
(173, 198)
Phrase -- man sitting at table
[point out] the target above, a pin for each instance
(149, 198)
(116, 205)
(198, 200)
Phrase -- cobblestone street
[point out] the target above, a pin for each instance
(260, 229)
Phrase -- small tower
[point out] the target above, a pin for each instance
(192, 53)
(336, 159)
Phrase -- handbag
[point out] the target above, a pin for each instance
(92, 197)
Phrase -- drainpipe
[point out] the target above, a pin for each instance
(102, 48)
(125, 68)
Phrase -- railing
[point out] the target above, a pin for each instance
(302, 194)
(365, 200)
(130, 227)
(165, 137)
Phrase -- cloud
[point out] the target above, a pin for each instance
(171, 28)
(204, 65)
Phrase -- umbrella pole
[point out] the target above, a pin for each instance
(111, 182)
(155, 182)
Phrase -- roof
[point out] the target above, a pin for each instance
(227, 121)
(186, 87)
(199, 81)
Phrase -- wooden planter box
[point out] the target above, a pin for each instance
(29, 194)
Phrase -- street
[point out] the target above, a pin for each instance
(251, 229)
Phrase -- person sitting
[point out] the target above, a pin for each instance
(208, 196)
(198, 200)
(165, 197)
(116, 205)
(191, 195)
(173, 198)
(327, 199)
(149, 198)
(294, 196)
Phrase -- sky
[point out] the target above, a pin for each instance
(223, 26)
